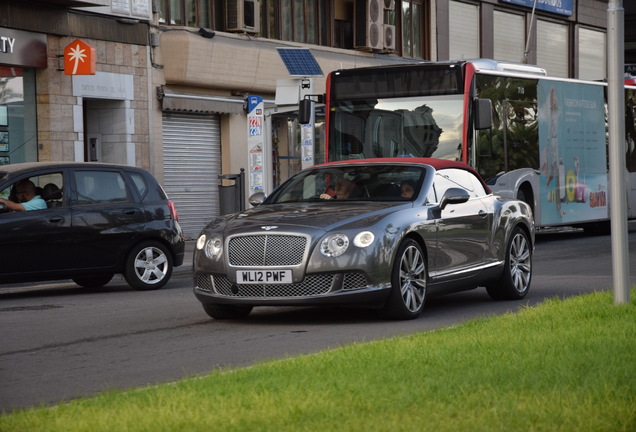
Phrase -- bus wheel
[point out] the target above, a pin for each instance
(525, 195)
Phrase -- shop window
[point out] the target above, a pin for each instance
(592, 61)
(509, 40)
(463, 30)
(18, 129)
(552, 48)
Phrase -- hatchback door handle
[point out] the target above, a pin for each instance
(56, 220)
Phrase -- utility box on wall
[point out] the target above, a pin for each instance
(242, 16)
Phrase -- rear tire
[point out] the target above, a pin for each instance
(408, 281)
(598, 228)
(92, 281)
(221, 312)
(148, 266)
(517, 273)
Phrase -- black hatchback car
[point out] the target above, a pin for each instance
(99, 220)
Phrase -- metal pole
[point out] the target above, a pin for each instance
(616, 120)
(526, 51)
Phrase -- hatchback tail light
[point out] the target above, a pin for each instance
(173, 211)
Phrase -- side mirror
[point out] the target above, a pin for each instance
(304, 111)
(4, 208)
(453, 196)
(482, 109)
(257, 199)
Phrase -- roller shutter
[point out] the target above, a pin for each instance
(192, 164)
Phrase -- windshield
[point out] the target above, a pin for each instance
(351, 183)
(423, 126)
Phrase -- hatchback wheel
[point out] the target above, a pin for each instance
(148, 266)
(408, 280)
(517, 274)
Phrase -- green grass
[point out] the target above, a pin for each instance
(565, 365)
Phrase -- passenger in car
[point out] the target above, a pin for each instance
(28, 199)
(407, 189)
(52, 195)
(344, 188)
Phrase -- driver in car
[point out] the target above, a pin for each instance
(343, 190)
(27, 196)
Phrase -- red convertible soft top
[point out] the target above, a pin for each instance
(438, 164)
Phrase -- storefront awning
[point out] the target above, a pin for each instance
(191, 102)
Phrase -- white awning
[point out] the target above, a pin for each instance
(199, 103)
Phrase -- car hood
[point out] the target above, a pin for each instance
(306, 216)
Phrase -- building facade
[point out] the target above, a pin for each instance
(173, 77)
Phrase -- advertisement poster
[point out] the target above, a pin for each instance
(255, 143)
(573, 158)
(307, 146)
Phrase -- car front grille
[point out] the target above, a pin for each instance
(312, 285)
(266, 250)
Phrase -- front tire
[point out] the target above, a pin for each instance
(92, 281)
(222, 312)
(517, 274)
(408, 281)
(148, 266)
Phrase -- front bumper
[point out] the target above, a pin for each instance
(314, 289)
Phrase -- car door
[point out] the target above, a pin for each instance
(464, 229)
(36, 242)
(106, 217)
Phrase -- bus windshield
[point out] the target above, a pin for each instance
(418, 126)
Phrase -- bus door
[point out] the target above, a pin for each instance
(520, 135)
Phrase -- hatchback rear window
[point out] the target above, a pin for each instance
(140, 184)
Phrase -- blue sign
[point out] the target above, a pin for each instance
(561, 7)
(252, 104)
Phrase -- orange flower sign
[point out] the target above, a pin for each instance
(79, 59)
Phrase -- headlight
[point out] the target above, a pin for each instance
(334, 245)
(214, 247)
(201, 242)
(363, 239)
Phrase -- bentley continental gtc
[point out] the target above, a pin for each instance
(380, 233)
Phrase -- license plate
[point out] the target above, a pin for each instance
(264, 277)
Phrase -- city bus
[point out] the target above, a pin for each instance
(533, 137)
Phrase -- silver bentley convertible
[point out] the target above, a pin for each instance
(382, 233)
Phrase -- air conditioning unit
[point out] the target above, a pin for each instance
(389, 37)
(369, 18)
(242, 16)
(389, 4)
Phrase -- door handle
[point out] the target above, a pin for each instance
(483, 214)
(56, 220)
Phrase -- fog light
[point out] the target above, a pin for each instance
(201, 242)
(363, 239)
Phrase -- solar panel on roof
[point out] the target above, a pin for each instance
(299, 62)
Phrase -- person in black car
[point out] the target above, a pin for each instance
(28, 199)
